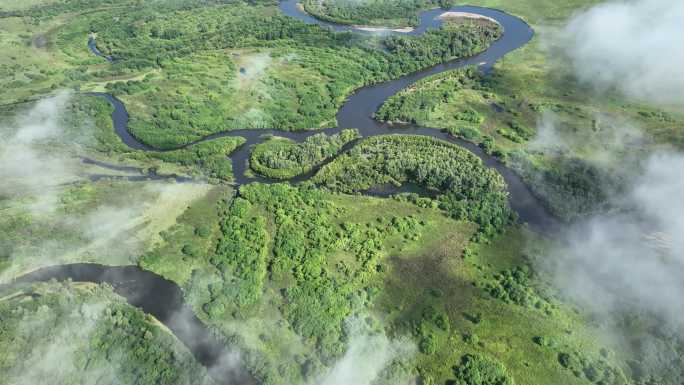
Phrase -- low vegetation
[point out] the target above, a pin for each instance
(418, 103)
(110, 221)
(85, 131)
(597, 371)
(515, 286)
(478, 370)
(187, 245)
(204, 160)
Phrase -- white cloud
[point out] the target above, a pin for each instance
(633, 260)
(632, 46)
(368, 354)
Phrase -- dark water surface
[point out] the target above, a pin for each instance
(159, 297)
(164, 299)
(93, 49)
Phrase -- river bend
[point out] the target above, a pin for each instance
(164, 299)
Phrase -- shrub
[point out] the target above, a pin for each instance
(428, 344)
(478, 370)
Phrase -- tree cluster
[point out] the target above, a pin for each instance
(373, 12)
(469, 190)
(59, 333)
(280, 158)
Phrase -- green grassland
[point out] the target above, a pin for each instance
(221, 91)
(185, 246)
(59, 209)
(109, 221)
(44, 48)
(576, 170)
(85, 334)
(31, 64)
(205, 160)
(403, 13)
(19, 5)
(539, 12)
(86, 131)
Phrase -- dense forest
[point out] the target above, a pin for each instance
(469, 190)
(384, 13)
(281, 158)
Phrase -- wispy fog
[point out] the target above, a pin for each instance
(52, 214)
(635, 259)
(632, 46)
(548, 138)
(607, 139)
(228, 363)
(368, 354)
(625, 264)
(55, 360)
(27, 167)
(66, 352)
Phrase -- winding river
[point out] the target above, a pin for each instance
(358, 110)
(164, 300)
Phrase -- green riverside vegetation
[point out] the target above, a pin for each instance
(401, 249)
(383, 13)
(85, 334)
(469, 189)
(282, 158)
(282, 269)
(245, 66)
(204, 160)
(577, 173)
